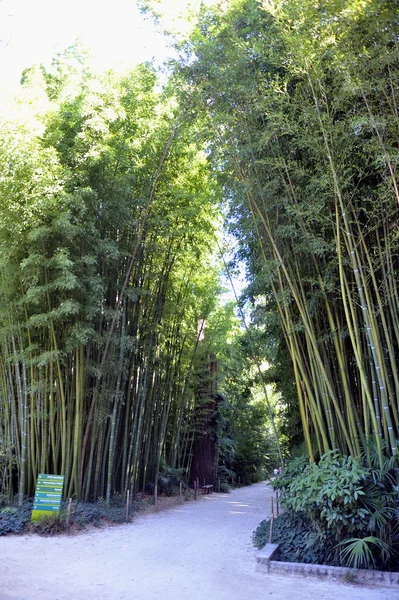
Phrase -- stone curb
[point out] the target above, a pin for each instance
(265, 564)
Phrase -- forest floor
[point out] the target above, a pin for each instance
(195, 550)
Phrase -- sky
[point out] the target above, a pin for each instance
(32, 31)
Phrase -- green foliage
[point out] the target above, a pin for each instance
(13, 519)
(255, 449)
(240, 425)
(110, 203)
(225, 488)
(84, 514)
(50, 525)
(328, 493)
(108, 216)
(301, 104)
(169, 480)
(246, 447)
(298, 538)
(293, 469)
(357, 553)
(354, 508)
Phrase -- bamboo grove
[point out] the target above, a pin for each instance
(302, 100)
(111, 196)
(108, 218)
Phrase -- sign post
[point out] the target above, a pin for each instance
(47, 496)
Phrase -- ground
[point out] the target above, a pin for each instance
(199, 549)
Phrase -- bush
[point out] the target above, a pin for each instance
(224, 487)
(14, 519)
(225, 477)
(298, 540)
(169, 480)
(327, 493)
(50, 525)
(357, 507)
(84, 514)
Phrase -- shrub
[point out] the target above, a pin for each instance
(225, 476)
(357, 552)
(298, 539)
(50, 525)
(356, 506)
(224, 487)
(83, 514)
(169, 480)
(14, 519)
(327, 493)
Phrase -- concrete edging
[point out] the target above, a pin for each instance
(265, 564)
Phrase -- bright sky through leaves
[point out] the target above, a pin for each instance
(33, 31)
(116, 34)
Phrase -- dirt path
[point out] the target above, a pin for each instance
(197, 550)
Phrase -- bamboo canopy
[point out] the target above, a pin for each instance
(108, 214)
(302, 106)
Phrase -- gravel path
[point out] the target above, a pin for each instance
(194, 551)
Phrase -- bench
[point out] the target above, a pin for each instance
(207, 489)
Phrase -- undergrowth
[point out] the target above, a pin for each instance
(15, 519)
(339, 510)
(298, 540)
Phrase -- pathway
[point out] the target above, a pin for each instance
(197, 550)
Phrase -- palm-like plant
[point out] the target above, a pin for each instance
(357, 552)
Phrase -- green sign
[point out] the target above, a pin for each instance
(48, 496)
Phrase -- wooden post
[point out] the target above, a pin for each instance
(69, 510)
(219, 484)
(127, 505)
(180, 492)
(271, 524)
(204, 481)
(155, 495)
(239, 482)
(271, 529)
(195, 490)
(197, 485)
(277, 504)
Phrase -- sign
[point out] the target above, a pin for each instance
(48, 496)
